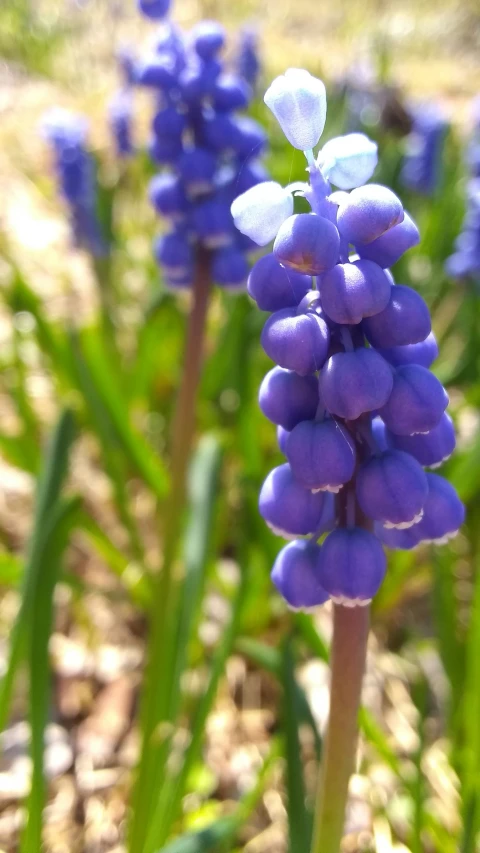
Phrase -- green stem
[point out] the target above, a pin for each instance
(348, 653)
(155, 717)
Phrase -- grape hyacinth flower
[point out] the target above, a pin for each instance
(66, 133)
(247, 60)
(208, 150)
(422, 164)
(464, 263)
(359, 414)
(338, 321)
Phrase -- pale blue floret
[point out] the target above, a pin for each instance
(348, 161)
(299, 103)
(261, 211)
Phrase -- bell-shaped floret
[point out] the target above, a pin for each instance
(174, 252)
(424, 353)
(197, 170)
(352, 383)
(431, 448)
(351, 566)
(208, 38)
(288, 508)
(212, 222)
(260, 212)
(167, 195)
(296, 341)
(156, 72)
(154, 9)
(287, 398)
(390, 247)
(282, 436)
(392, 488)
(274, 286)
(417, 402)
(295, 575)
(443, 515)
(354, 290)
(230, 93)
(321, 454)
(405, 320)
(299, 103)
(307, 243)
(348, 161)
(367, 213)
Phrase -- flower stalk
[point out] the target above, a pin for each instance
(347, 660)
(156, 710)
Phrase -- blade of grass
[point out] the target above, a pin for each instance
(59, 524)
(168, 803)
(470, 758)
(49, 486)
(299, 819)
(203, 486)
(223, 830)
(91, 358)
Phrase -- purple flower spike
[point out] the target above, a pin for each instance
(388, 248)
(154, 9)
(286, 398)
(351, 566)
(355, 290)
(289, 509)
(405, 320)
(307, 243)
(352, 383)
(298, 342)
(392, 488)
(417, 402)
(367, 213)
(321, 455)
(274, 287)
(431, 449)
(424, 353)
(229, 268)
(295, 574)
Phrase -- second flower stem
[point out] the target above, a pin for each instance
(347, 661)
(155, 715)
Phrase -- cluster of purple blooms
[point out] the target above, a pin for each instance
(66, 133)
(209, 152)
(464, 263)
(422, 164)
(358, 413)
